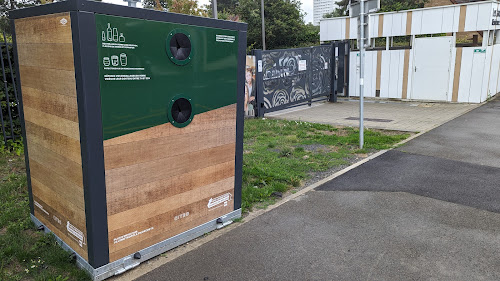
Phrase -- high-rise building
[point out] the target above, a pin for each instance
(321, 7)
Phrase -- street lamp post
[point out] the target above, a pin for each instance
(263, 25)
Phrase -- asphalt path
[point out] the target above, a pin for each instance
(428, 210)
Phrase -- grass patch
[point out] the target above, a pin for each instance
(281, 154)
(26, 254)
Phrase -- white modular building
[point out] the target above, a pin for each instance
(438, 63)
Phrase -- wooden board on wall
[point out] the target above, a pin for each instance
(47, 76)
(165, 180)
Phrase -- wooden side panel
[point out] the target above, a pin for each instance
(165, 180)
(47, 75)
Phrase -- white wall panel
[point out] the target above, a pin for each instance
(370, 73)
(388, 24)
(416, 22)
(432, 21)
(396, 74)
(335, 29)
(476, 83)
(452, 72)
(353, 29)
(398, 24)
(448, 19)
(354, 74)
(484, 16)
(493, 77)
(486, 74)
(373, 21)
(465, 75)
(496, 65)
(385, 74)
(471, 17)
(456, 18)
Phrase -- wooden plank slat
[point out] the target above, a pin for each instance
(121, 200)
(153, 149)
(218, 118)
(57, 202)
(61, 185)
(53, 56)
(59, 105)
(46, 216)
(49, 80)
(52, 122)
(56, 163)
(156, 208)
(200, 215)
(44, 29)
(142, 173)
(61, 144)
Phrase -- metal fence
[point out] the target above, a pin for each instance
(9, 113)
(292, 77)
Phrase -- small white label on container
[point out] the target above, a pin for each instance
(326, 65)
(361, 81)
(302, 65)
(259, 66)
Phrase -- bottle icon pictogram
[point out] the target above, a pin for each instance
(115, 34)
(109, 32)
(122, 38)
(106, 61)
(103, 36)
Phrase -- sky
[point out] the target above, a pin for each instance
(307, 6)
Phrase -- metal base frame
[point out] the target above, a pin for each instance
(129, 262)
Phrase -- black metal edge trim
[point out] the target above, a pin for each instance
(83, 28)
(259, 92)
(124, 11)
(333, 81)
(240, 118)
(21, 116)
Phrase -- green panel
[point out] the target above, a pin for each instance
(138, 80)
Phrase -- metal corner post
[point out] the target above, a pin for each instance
(21, 116)
(259, 91)
(91, 136)
(242, 45)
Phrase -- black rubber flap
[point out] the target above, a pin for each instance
(180, 46)
(181, 110)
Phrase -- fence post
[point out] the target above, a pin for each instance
(309, 65)
(333, 81)
(259, 84)
(347, 56)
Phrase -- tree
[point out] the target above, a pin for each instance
(385, 6)
(188, 7)
(284, 23)
(160, 5)
(341, 11)
(9, 5)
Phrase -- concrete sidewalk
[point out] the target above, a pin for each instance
(388, 115)
(429, 210)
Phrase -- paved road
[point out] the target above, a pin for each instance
(429, 210)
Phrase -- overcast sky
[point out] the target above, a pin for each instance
(307, 6)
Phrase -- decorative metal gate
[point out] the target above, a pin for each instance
(292, 77)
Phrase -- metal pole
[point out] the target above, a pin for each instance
(214, 8)
(362, 15)
(263, 25)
